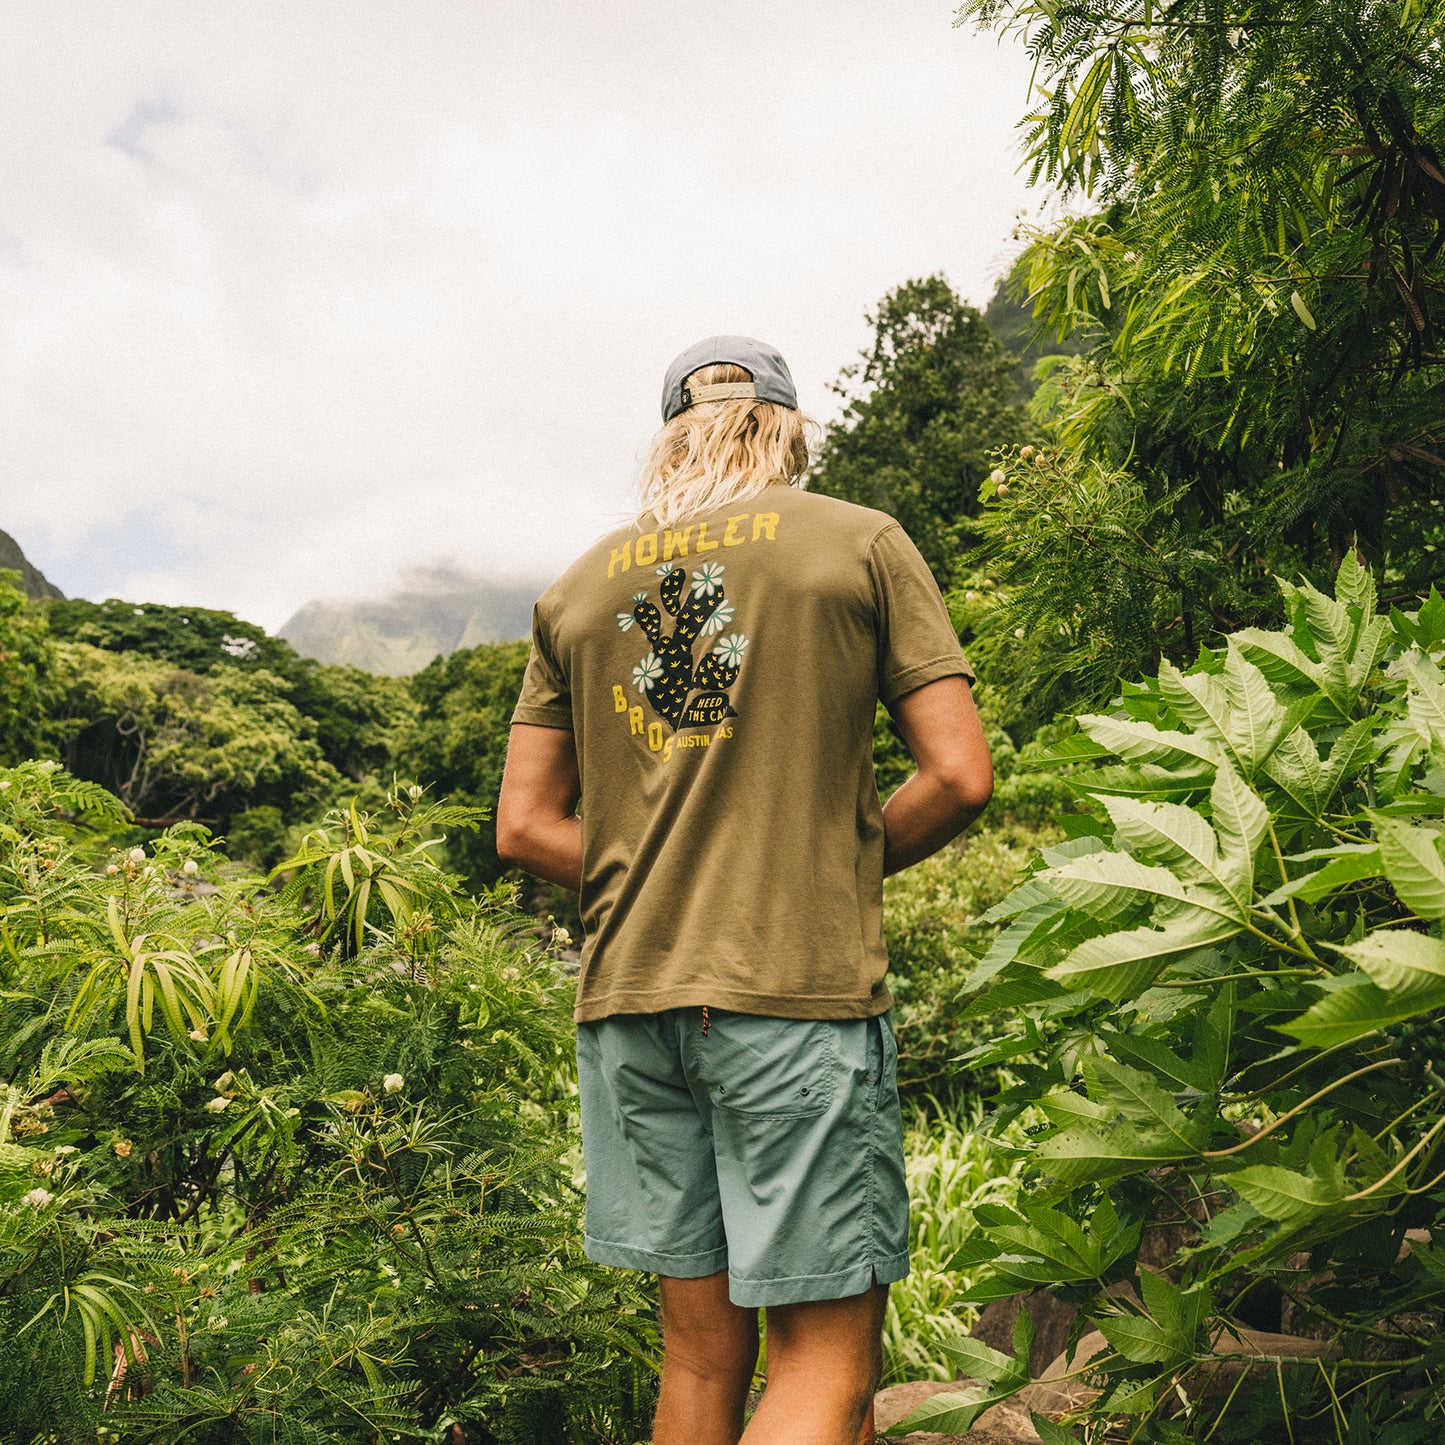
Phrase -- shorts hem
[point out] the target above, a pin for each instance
(803, 1288)
(676, 1266)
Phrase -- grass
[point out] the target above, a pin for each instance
(951, 1170)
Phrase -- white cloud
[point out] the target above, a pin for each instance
(297, 297)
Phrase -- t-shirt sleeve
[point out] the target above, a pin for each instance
(546, 698)
(916, 640)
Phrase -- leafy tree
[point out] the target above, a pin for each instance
(195, 638)
(1233, 993)
(260, 1184)
(459, 739)
(25, 659)
(176, 744)
(355, 713)
(924, 405)
(1260, 270)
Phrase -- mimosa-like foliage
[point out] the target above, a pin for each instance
(288, 1166)
(1257, 256)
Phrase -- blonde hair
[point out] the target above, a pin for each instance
(715, 453)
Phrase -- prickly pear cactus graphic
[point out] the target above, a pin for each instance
(667, 676)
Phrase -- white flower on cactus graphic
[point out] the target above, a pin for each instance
(731, 649)
(647, 672)
(707, 579)
(720, 619)
(626, 619)
(665, 569)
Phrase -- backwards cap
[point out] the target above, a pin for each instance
(771, 379)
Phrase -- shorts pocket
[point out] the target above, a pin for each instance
(767, 1068)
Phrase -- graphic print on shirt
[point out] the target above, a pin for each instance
(667, 676)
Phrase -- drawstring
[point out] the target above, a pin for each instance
(706, 1022)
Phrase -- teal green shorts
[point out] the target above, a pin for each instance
(771, 1148)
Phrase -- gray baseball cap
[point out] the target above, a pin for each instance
(771, 380)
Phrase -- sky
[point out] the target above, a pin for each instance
(300, 299)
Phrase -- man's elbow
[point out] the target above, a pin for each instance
(512, 841)
(971, 789)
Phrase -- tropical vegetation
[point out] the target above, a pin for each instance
(288, 1165)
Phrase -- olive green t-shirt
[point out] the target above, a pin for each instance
(720, 679)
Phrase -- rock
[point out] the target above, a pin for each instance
(1005, 1424)
(1052, 1321)
(1053, 1394)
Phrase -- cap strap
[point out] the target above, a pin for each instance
(723, 391)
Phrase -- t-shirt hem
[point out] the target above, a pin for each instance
(774, 1005)
(543, 717)
(921, 673)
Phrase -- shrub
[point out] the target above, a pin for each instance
(288, 1166)
(1232, 979)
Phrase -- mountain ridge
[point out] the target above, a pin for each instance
(33, 581)
(437, 610)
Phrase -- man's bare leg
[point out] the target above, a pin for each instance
(709, 1350)
(824, 1363)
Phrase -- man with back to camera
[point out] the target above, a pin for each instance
(704, 682)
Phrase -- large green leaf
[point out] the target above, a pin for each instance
(1005, 948)
(1164, 1335)
(1412, 861)
(1138, 1097)
(1092, 1155)
(1355, 584)
(1142, 742)
(1005, 1374)
(1257, 720)
(1117, 965)
(1425, 701)
(1108, 884)
(1352, 864)
(951, 1411)
(1399, 960)
(1241, 822)
(1198, 698)
(1285, 1194)
(1295, 767)
(1354, 1006)
(1282, 661)
(1169, 834)
(1147, 780)
(1155, 1055)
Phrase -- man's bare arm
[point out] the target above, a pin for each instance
(537, 824)
(954, 781)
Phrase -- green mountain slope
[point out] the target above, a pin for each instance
(32, 581)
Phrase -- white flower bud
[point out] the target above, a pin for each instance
(137, 855)
(198, 1035)
(38, 1198)
(190, 867)
(1026, 453)
(4, 785)
(998, 476)
(112, 869)
(219, 1106)
(392, 1083)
